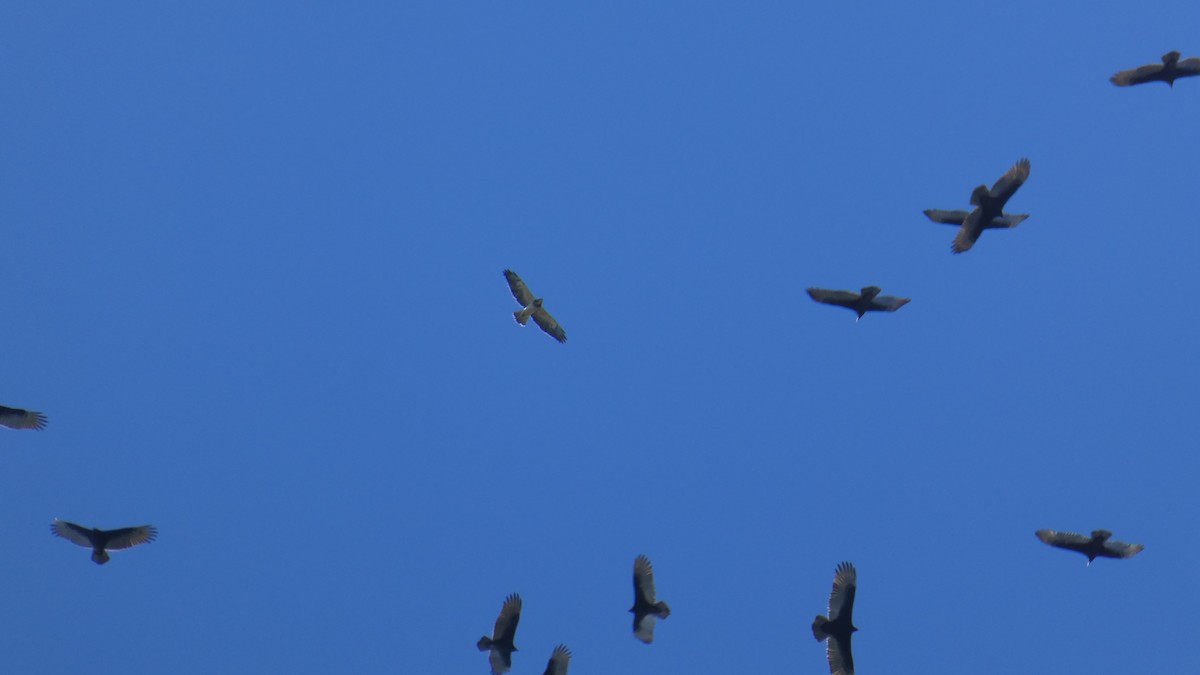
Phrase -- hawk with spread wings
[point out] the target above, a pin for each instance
(532, 307)
(1172, 69)
(500, 645)
(1099, 545)
(102, 541)
(837, 628)
(647, 609)
(868, 301)
(989, 209)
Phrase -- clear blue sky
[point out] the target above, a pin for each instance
(253, 266)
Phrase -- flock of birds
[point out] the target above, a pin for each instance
(837, 628)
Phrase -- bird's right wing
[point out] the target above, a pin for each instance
(130, 536)
(831, 297)
(17, 418)
(519, 290)
(73, 533)
(888, 303)
(548, 323)
(1009, 220)
(559, 660)
(1189, 66)
(506, 622)
(968, 234)
(841, 661)
(946, 217)
(841, 598)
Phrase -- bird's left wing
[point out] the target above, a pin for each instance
(500, 660)
(946, 217)
(131, 536)
(519, 290)
(831, 297)
(841, 598)
(1133, 76)
(1188, 66)
(76, 534)
(643, 627)
(547, 323)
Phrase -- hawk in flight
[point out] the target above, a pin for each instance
(500, 646)
(16, 418)
(532, 307)
(1096, 546)
(837, 628)
(101, 541)
(989, 209)
(646, 609)
(1171, 69)
(868, 301)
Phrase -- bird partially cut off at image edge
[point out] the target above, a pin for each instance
(19, 418)
(646, 607)
(103, 541)
(1099, 545)
(1171, 69)
(869, 300)
(559, 660)
(837, 628)
(500, 645)
(532, 307)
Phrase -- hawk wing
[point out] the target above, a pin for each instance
(130, 536)
(1012, 179)
(17, 418)
(946, 217)
(1008, 220)
(1188, 67)
(519, 290)
(888, 303)
(643, 580)
(1120, 549)
(506, 622)
(968, 234)
(643, 627)
(841, 598)
(1140, 75)
(547, 323)
(559, 660)
(831, 297)
(1068, 540)
(76, 534)
(500, 660)
(837, 652)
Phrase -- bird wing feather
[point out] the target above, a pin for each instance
(946, 217)
(519, 290)
(547, 323)
(76, 534)
(18, 418)
(130, 536)
(1012, 179)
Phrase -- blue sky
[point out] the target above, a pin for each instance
(253, 263)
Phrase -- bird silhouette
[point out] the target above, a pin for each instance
(869, 300)
(500, 644)
(1096, 546)
(837, 628)
(646, 610)
(1171, 69)
(102, 541)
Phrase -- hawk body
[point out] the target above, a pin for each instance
(531, 307)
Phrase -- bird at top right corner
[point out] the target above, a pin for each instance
(1171, 69)
(989, 209)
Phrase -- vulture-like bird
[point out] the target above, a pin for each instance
(501, 643)
(103, 541)
(559, 660)
(868, 301)
(17, 418)
(646, 610)
(838, 626)
(1172, 69)
(532, 307)
(1096, 546)
(989, 209)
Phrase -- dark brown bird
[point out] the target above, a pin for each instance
(837, 628)
(1171, 69)
(103, 541)
(532, 307)
(559, 660)
(501, 643)
(17, 418)
(1095, 546)
(989, 208)
(645, 609)
(868, 301)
